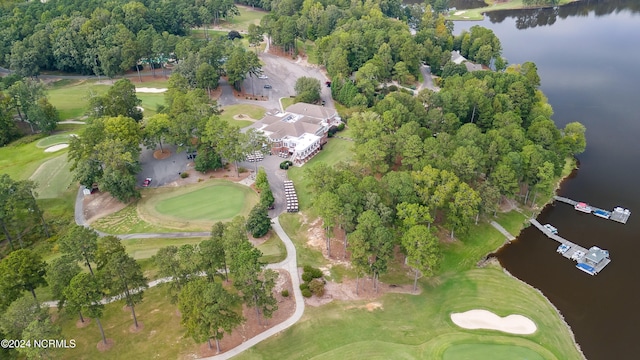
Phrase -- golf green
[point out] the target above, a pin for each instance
(490, 352)
(217, 202)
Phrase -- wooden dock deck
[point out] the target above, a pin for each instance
(574, 252)
(618, 214)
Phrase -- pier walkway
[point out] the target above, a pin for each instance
(572, 251)
(618, 214)
(575, 251)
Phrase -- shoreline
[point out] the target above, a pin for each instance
(490, 257)
(478, 14)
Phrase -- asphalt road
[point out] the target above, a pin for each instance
(162, 171)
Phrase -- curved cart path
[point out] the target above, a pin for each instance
(290, 264)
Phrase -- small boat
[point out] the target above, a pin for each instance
(551, 229)
(602, 213)
(563, 248)
(584, 207)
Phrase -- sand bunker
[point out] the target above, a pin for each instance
(483, 319)
(140, 108)
(55, 148)
(150, 90)
(458, 13)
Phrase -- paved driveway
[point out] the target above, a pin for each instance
(162, 171)
(276, 176)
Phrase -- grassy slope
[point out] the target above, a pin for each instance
(53, 140)
(20, 161)
(477, 14)
(53, 177)
(71, 97)
(287, 101)
(334, 151)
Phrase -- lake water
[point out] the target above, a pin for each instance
(588, 57)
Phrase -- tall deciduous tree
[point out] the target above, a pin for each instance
(40, 329)
(20, 314)
(328, 205)
(156, 128)
(307, 89)
(258, 222)
(120, 100)
(208, 311)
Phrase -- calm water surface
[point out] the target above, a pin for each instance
(588, 57)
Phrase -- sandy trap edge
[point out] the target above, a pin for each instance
(484, 319)
(55, 148)
(150, 90)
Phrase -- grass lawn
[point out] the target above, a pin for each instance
(162, 336)
(490, 352)
(53, 177)
(220, 202)
(254, 112)
(71, 98)
(248, 15)
(159, 82)
(477, 14)
(150, 102)
(293, 226)
(273, 250)
(20, 161)
(287, 101)
(145, 248)
(53, 140)
(334, 151)
(180, 209)
(419, 327)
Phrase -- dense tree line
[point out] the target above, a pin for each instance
(441, 158)
(99, 37)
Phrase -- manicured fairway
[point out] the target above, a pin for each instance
(213, 203)
(53, 177)
(489, 352)
(53, 140)
(72, 98)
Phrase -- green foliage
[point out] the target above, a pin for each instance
(307, 90)
(120, 100)
(60, 271)
(284, 293)
(307, 293)
(258, 222)
(262, 183)
(22, 270)
(17, 317)
(208, 310)
(20, 214)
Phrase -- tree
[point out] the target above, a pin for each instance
(22, 270)
(24, 96)
(40, 329)
(254, 35)
(463, 208)
(181, 264)
(574, 138)
(60, 271)
(81, 244)
(43, 115)
(266, 198)
(262, 183)
(20, 314)
(120, 100)
(19, 210)
(84, 294)
(307, 90)
(207, 311)
(213, 255)
(258, 222)
(423, 251)
(156, 128)
(121, 274)
(328, 205)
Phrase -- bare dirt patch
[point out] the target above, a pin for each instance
(80, 324)
(251, 327)
(347, 291)
(100, 204)
(133, 329)
(161, 154)
(249, 96)
(243, 117)
(102, 347)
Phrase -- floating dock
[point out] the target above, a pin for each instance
(591, 261)
(618, 214)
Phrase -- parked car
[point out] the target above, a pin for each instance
(146, 182)
(267, 86)
(263, 77)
